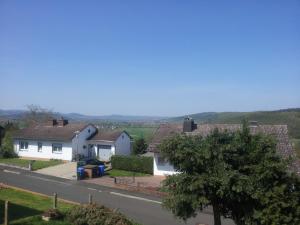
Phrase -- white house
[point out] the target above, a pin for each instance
(161, 166)
(60, 140)
(106, 144)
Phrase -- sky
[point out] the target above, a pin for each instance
(158, 57)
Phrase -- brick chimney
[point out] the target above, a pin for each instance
(62, 122)
(189, 125)
(51, 122)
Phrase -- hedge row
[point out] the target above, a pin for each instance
(140, 164)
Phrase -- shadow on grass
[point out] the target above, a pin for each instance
(16, 212)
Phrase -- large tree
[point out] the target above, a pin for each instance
(237, 173)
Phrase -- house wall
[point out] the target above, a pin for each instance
(123, 145)
(46, 152)
(162, 169)
(79, 142)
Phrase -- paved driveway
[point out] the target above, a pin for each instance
(65, 170)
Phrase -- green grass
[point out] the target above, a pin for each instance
(26, 208)
(38, 164)
(124, 173)
(141, 132)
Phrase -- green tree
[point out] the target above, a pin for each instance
(204, 179)
(139, 146)
(7, 148)
(239, 174)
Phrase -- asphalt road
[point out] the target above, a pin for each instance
(142, 208)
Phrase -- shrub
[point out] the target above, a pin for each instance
(139, 146)
(7, 148)
(133, 163)
(95, 215)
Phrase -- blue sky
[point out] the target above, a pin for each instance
(150, 57)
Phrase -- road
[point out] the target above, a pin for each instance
(140, 207)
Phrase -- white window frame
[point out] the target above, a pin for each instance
(39, 146)
(24, 144)
(57, 148)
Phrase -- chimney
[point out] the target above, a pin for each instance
(62, 122)
(189, 125)
(51, 122)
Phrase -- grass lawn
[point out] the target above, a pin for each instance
(124, 173)
(38, 164)
(26, 208)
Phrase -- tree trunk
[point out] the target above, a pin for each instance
(217, 216)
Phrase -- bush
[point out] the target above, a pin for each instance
(139, 146)
(133, 163)
(7, 148)
(95, 215)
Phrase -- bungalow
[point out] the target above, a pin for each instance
(58, 139)
(161, 166)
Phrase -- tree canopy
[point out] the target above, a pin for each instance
(239, 174)
(139, 146)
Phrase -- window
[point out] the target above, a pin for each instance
(23, 145)
(56, 148)
(161, 161)
(104, 146)
(40, 146)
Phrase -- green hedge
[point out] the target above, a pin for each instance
(141, 164)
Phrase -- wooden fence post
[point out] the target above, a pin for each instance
(54, 200)
(90, 199)
(6, 213)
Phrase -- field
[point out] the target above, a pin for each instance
(37, 164)
(26, 208)
(137, 132)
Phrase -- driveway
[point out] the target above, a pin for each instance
(65, 170)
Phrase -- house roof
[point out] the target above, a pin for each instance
(107, 135)
(279, 132)
(49, 132)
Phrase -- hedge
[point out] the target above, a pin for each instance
(140, 164)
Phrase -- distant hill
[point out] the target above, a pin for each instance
(18, 114)
(290, 117)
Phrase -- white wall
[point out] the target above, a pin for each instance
(123, 145)
(79, 141)
(46, 152)
(165, 169)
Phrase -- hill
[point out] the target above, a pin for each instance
(290, 117)
(76, 117)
